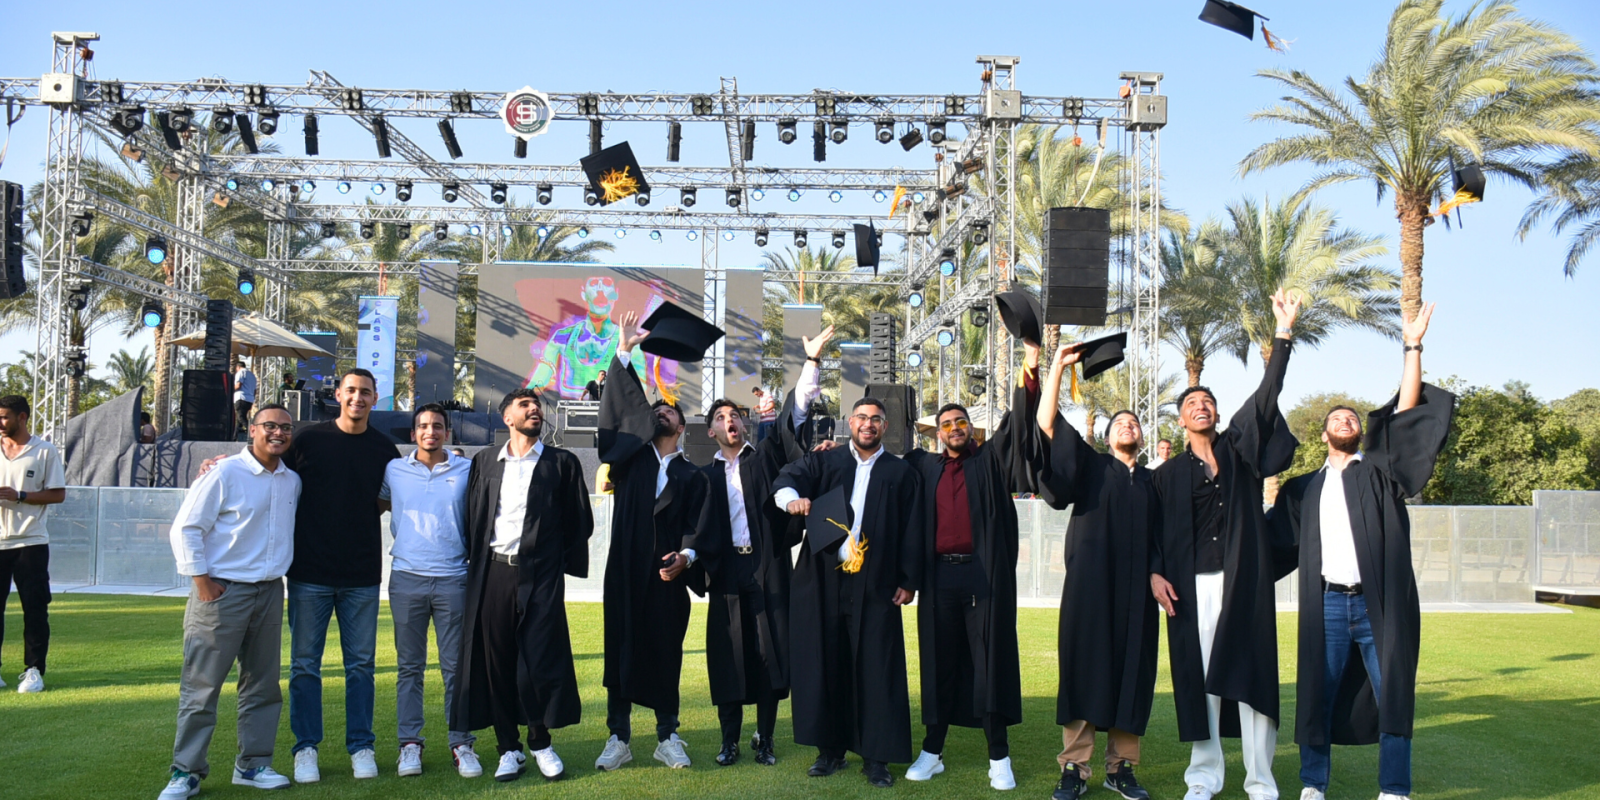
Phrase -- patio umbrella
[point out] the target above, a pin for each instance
(257, 337)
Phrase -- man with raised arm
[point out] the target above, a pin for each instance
(1358, 594)
(528, 526)
(1213, 570)
(1107, 637)
(863, 560)
(741, 553)
(656, 500)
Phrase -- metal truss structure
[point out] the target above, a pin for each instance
(959, 224)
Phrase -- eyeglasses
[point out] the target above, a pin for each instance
(955, 424)
(607, 282)
(274, 427)
(864, 419)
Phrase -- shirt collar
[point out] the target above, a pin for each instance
(748, 448)
(256, 467)
(505, 452)
(662, 459)
(873, 459)
(962, 456)
(1327, 463)
(450, 458)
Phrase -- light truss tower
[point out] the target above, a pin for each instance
(59, 266)
(1002, 114)
(1146, 117)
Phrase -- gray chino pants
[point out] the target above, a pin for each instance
(244, 624)
(414, 600)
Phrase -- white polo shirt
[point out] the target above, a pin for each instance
(36, 468)
(237, 522)
(427, 515)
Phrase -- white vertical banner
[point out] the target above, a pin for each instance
(377, 327)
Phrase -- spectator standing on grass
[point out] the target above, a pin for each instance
(426, 495)
(244, 391)
(234, 538)
(31, 478)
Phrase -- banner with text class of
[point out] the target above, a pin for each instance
(554, 327)
(377, 326)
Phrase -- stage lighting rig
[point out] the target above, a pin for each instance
(786, 130)
(222, 120)
(936, 131)
(77, 361)
(914, 300)
(81, 223)
(590, 196)
(794, 195)
(642, 198)
(181, 119)
(402, 191)
(380, 135)
(758, 194)
(247, 282)
(735, 197)
(839, 130)
(255, 95)
(450, 191)
(800, 239)
(128, 120)
(827, 104)
(686, 198)
(329, 230)
(947, 261)
(152, 314)
(980, 232)
(978, 316)
(461, 102)
(343, 187)
(247, 137)
(914, 359)
(954, 105)
(448, 133)
(761, 237)
(884, 130)
(402, 230)
(155, 250)
(497, 193)
(838, 240)
(378, 189)
(78, 295)
(308, 186)
(691, 235)
(946, 337)
(655, 236)
(474, 229)
(545, 193)
(441, 231)
(368, 229)
(701, 104)
(912, 138)
(267, 122)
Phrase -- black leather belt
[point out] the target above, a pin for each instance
(511, 559)
(956, 558)
(746, 550)
(1349, 589)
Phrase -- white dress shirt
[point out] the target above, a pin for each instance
(661, 467)
(1339, 563)
(237, 522)
(858, 495)
(736, 512)
(427, 515)
(513, 508)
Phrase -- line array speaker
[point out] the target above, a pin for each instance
(1077, 265)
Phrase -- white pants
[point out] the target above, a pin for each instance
(1258, 733)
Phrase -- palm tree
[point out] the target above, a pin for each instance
(1298, 246)
(129, 371)
(1572, 198)
(1197, 296)
(1489, 87)
(1108, 393)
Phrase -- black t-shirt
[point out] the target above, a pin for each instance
(338, 539)
(1209, 518)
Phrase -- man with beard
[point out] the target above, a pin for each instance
(848, 663)
(1213, 570)
(741, 556)
(1106, 641)
(528, 522)
(656, 501)
(1358, 594)
(967, 620)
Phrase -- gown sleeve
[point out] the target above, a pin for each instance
(626, 422)
(1405, 445)
(1259, 431)
(1064, 465)
(575, 491)
(1016, 442)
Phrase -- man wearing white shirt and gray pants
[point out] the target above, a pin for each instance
(234, 536)
(427, 497)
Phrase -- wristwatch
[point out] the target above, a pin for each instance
(1417, 347)
(814, 359)
(22, 497)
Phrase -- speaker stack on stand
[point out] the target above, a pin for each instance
(207, 406)
(1077, 265)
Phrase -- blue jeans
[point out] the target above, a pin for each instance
(765, 429)
(1344, 620)
(310, 608)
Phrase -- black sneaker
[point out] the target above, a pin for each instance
(763, 749)
(877, 773)
(1122, 782)
(1072, 785)
(729, 755)
(826, 765)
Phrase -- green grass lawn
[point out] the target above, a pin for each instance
(1508, 707)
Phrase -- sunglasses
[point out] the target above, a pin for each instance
(955, 424)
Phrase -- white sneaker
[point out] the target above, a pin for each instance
(512, 764)
(616, 754)
(1000, 776)
(1388, 796)
(467, 761)
(925, 767)
(182, 786)
(550, 765)
(260, 778)
(672, 753)
(410, 760)
(1198, 793)
(305, 766)
(30, 682)
(364, 763)
(1310, 793)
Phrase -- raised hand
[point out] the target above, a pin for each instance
(630, 334)
(1068, 354)
(1285, 308)
(1415, 328)
(814, 346)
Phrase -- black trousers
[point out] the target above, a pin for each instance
(757, 677)
(619, 713)
(498, 621)
(958, 648)
(30, 568)
(241, 413)
(843, 674)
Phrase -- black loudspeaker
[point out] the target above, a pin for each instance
(699, 448)
(501, 436)
(883, 363)
(1077, 264)
(578, 440)
(219, 334)
(12, 282)
(207, 407)
(899, 409)
(298, 403)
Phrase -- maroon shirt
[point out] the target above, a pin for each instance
(953, 534)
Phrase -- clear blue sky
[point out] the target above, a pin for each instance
(1505, 310)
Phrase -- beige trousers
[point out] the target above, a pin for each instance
(1077, 747)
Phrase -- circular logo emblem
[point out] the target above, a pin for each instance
(526, 112)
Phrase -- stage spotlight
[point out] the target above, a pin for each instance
(835, 195)
(474, 229)
(979, 316)
(181, 119)
(311, 134)
(954, 105)
(247, 282)
(152, 314)
(497, 193)
(674, 140)
(402, 230)
(368, 230)
(686, 198)
(915, 300)
(794, 195)
(308, 186)
(838, 130)
(884, 130)
(879, 196)
(590, 196)
(945, 338)
(747, 141)
(918, 197)
(583, 233)
(441, 231)
(642, 198)
(378, 189)
(692, 235)
(267, 122)
(819, 141)
(329, 230)
(735, 198)
(450, 191)
(543, 231)
(78, 295)
(980, 233)
(77, 362)
(655, 236)
(507, 231)
(761, 237)
(727, 236)
(914, 359)
(155, 250)
(461, 102)
(936, 131)
(786, 131)
(343, 187)
(402, 191)
(621, 232)
(222, 120)
(758, 194)
(128, 120)
(912, 138)
(595, 136)
(268, 184)
(448, 133)
(947, 262)
(838, 240)
(232, 184)
(799, 238)
(545, 194)
(380, 136)
(976, 389)
(81, 223)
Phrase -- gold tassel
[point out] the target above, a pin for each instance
(666, 391)
(1023, 374)
(855, 551)
(1461, 198)
(1077, 394)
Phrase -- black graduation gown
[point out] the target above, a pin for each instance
(773, 534)
(1107, 636)
(1397, 462)
(995, 470)
(646, 618)
(878, 715)
(1244, 652)
(555, 539)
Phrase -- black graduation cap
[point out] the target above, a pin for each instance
(1470, 179)
(823, 521)
(1231, 17)
(614, 173)
(677, 334)
(867, 246)
(1021, 313)
(1100, 354)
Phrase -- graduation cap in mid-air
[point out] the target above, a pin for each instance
(678, 334)
(1102, 354)
(1231, 16)
(614, 173)
(867, 246)
(1021, 313)
(1469, 184)
(828, 521)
